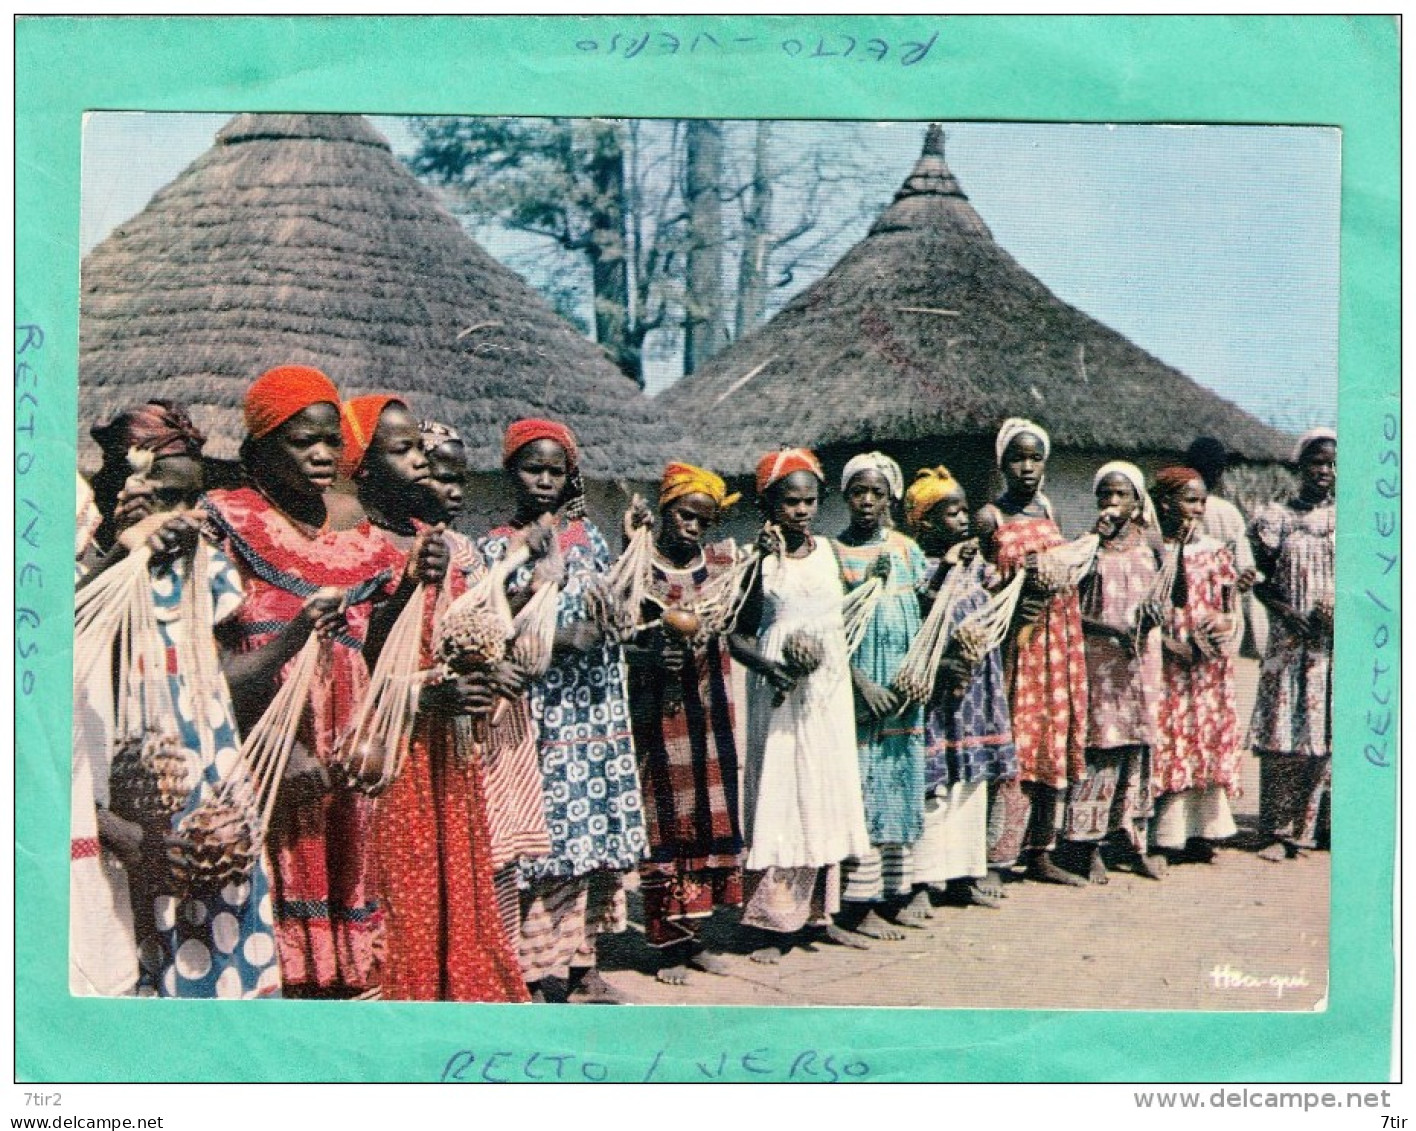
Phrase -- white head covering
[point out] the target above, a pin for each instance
(1310, 437)
(875, 461)
(1133, 475)
(1016, 426)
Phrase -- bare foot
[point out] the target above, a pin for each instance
(1276, 853)
(592, 989)
(1155, 866)
(672, 975)
(1042, 868)
(766, 955)
(976, 895)
(873, 926)
(918, 910)
(1096, 871)
(842, 937)
(710, 962)
(992, 885)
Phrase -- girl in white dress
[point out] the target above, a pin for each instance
(803, 811)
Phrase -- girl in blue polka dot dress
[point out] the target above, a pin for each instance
(216, 942)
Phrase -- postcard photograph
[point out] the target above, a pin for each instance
(666, 561)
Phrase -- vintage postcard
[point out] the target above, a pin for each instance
(727, 553)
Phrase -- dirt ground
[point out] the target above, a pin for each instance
(1238, 934)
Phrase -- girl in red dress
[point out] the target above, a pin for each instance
(1195, 768)
(308, 564)
(445, 940)
(1046, 667)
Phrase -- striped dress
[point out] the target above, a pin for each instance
(688, 766)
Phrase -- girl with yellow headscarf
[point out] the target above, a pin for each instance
(682, 712)
(967, 726)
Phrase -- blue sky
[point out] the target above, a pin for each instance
(1213, 247)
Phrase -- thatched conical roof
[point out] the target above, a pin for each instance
(300, 238)
(928, 328)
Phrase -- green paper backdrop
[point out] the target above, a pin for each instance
(1305, 70)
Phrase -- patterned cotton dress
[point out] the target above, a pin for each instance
(215, 943)
(327, 915)
(968, 743)
(891, 750)
(1291, 730)
(688, 767)
(1047, 698)
(594, 807)
(969, 737)
(445, 940)
(1195, 763)
(803, 811)
(1123, 699)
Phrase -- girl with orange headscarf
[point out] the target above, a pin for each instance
(594, 808)
(306, 568)
(445, 940)
(803, 811)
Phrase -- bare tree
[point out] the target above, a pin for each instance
(642, 203)
(705, 320)
(584, 185)
(753, 264)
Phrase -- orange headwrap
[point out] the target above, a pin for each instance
(278, 394)
(931, 485)
(1168, 480)
(358, 421)
(682, 479)
(778, 465)
(523, 432)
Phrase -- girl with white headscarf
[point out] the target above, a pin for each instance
(889, 736)
(1123, 654)
(1047, 676)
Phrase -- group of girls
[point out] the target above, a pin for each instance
(482, 858)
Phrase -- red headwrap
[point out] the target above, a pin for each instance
(278, 394)
(1168, 480)
(523, 432)
(778, 465)
(160, 427)
(358, 421)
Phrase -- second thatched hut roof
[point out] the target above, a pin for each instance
(928, 328)
(300, 238)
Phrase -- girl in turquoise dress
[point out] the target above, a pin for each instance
(889, 735)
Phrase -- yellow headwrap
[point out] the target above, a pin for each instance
(931, 484)
(682, 479)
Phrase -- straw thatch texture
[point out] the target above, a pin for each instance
(928, 328)
(300, 238)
